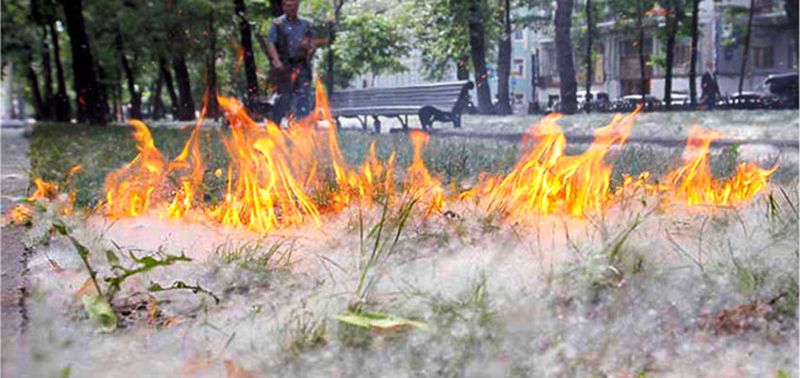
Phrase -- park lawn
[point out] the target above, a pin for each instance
(635, 291)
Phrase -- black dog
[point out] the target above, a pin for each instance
(428, 115)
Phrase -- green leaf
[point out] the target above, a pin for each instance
(112, 258)
(378, 320)
(100, 311)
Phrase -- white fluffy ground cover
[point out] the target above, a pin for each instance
(635, 292)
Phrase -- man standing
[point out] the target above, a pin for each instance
(290, 47)
(710, 88)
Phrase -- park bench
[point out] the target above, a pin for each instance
(443, 102)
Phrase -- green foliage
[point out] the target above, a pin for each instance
(100, 311)
(441, 30)
(371, 44)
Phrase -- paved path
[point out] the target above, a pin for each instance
(13, 183)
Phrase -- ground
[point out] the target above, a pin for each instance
(639, 290)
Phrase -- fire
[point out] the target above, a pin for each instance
(130, 189)
(547, 181)
(277, 177)
(693, 183)
(419, 182)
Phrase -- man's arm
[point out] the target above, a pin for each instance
(272, 51)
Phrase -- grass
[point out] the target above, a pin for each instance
(631, 289)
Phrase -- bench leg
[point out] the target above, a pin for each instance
(377, 124)
(363, 122)
(338, 123)
(403, 121)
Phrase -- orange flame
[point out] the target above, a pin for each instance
(278, 177)
(129, 190)
(694, 184)
(547, 181)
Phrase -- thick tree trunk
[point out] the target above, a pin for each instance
(157, 105)
(173, 97)
(746, 52)
(136, 97)
(185, 102)
(791, 8)
(47, 71)
(61, 99)
(589, 40)
(91, 101)
(693, 58)
(210, 102)
(566, 69)
(670, 61)
(249, 58)
(477, 42)
(642, 63)
(36, 95)
(503, 105)
(673, 19)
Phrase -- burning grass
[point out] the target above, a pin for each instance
(559, 261)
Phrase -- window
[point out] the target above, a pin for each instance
(683, 54)
(518, 68)
(763, 57)
(518, 34)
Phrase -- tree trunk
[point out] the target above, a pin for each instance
(670, 59)
(642, 63)
(91, 101)
(477, 42)
(503, 105)
(249, 58)
(136, 97)
(61, 99)
(173, 97)
(791, 8)
(566, 69)
(210, 102)
(47, 71)
(746, 52)
(157, 105)
(36, 95)
(462, 68)
(693, 59)
(185, 102)
(589, 39)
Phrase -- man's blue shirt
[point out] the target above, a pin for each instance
(287, 36)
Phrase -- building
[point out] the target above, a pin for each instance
(720, 48)
(616, 59)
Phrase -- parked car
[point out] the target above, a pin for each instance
(679, 101)
(629, 102)
(744, 100)
(599, 101)
(783, 91)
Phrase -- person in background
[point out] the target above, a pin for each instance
(291, 46)
(709, 87)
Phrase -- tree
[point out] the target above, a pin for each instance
(589, 38)
(693, 59)
(746, 51)
(247, 45)
(91, 99)
(477, 43)
(673, 16)
(503, 105)
(371, 44)
(135, 95)
(791, 8)
(566, 70)
(63, 111)
(185, 100)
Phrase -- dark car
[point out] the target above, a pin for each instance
(744, 100)
(783, 91)
(630, 102)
